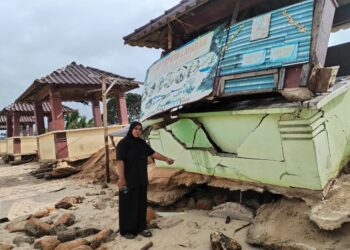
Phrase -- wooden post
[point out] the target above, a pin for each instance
(16, 124)
(122, 110)
(56, 110)
(235, 12)
(9, 125)
(39, 117)
(105, 127)
(96, 113)
(170, 38)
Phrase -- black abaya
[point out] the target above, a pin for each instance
(133, 205)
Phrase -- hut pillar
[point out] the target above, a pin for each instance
(56, 110)
(9, 128)
(16, 124)
(24, 130)
(30, 132)
(122, 111)
(96, 113)
(49, 123)
(39, 117)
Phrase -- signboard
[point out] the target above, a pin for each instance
(183, 76)
(260, 27)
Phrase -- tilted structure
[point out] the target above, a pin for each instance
(242, 92)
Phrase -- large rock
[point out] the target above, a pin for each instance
(332, 212)
(42, 213)
(234, 210)
(188, 179)
(161, 176)
(67, 219)
(59, 228)
(20, 240)
(69, 201)
(46, 243)
(67, 235)
(5, 246)
(84, 247)
(34, 227)
(71, 244)
(285, 225)
(82, 233)
(219, 241)
(165, 196)
(104, 235)
(16, 226)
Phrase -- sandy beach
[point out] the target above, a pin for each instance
(21, 194)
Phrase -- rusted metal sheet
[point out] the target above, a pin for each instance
(292, 76)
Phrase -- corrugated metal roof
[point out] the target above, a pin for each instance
(282, 34)
(152, 35)
(23, 119)
(27, 107)
(79, 74)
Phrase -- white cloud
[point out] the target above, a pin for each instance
(39, 36)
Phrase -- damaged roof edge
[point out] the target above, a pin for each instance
(185, 6)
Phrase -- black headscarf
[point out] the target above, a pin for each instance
(131, 128)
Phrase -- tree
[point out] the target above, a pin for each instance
(74, 120)
(133, 103)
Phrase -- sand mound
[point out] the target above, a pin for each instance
(94, 168)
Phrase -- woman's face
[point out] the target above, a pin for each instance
(136, 132)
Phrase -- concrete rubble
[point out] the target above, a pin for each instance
(233, 210)
(334, 211)
(285, 225)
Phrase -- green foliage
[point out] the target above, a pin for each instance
(74, 120)
(133, 103)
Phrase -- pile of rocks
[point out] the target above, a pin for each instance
(48, 231)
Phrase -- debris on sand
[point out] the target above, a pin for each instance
(69, 201)
(232, 210)
(94, 168)
(332, 212)
(285, 225)
(219, 241)
(55, 170)
(49, 234)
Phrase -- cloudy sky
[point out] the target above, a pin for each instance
(39, 36)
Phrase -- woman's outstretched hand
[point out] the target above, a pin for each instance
(169, 161)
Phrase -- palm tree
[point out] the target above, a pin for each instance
(74, 120)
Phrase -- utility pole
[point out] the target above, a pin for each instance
(105, 125)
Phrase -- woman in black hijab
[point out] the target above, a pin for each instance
(132, 153)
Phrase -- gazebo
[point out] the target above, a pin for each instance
(26, 122)
(19, 117)
(78, 83)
